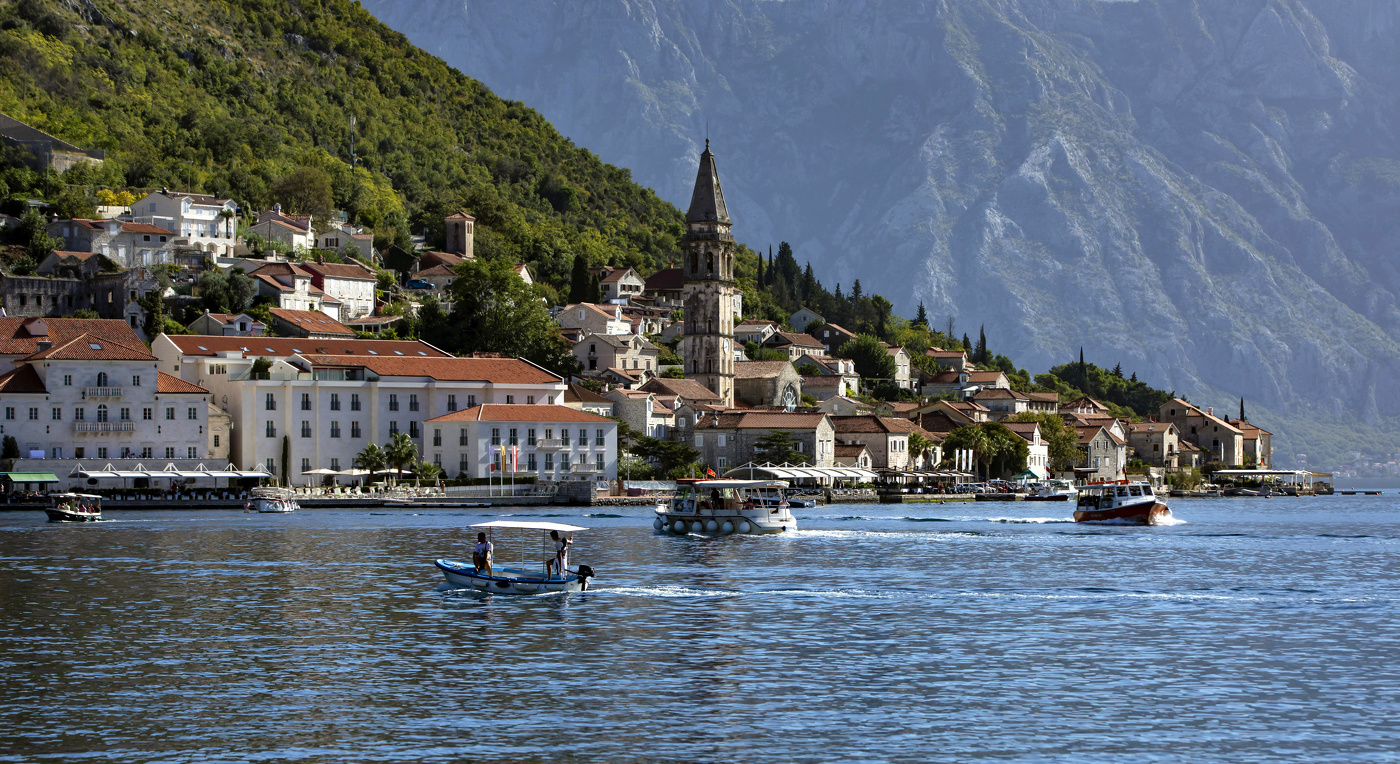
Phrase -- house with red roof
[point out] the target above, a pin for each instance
(126, 243)
(728, 439)
(350, 284)
(545, 442)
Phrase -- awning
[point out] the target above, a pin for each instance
(789, 472)
(170, 471)
(31, 477)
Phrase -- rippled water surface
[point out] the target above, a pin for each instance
(1257, 630)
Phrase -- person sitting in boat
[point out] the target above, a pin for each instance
(561, 554)
(482, 554)
(748, 503)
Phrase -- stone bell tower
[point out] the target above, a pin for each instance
(707, 251)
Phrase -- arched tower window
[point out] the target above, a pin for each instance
(101, 379)
(102, 412)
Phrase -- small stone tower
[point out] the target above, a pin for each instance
(459, 234)
(707, 251)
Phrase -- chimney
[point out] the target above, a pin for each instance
(1211, 410)
(277, 207)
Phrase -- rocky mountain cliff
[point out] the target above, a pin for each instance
(1203, 190)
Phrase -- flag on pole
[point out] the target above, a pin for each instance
(515, 458)
(709, 472)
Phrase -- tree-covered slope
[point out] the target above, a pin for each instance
(229, 97)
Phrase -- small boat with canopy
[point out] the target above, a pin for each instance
(1121, 501)
(725, 507)
(270, 499)
(74, 508)
(534, 574)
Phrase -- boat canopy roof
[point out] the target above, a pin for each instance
(74, 496)
(529, 525)
(1265, 473)
(718, 483)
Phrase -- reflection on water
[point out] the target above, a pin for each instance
(1252, 632)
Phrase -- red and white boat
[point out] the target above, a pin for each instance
(1121, 501)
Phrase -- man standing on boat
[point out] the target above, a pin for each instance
(561, 552)
(482, 554)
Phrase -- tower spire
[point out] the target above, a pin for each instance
(707, 200)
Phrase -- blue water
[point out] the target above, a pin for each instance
(1257, 630)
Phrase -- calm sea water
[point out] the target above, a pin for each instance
(1257, 630)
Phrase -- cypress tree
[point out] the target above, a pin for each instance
(578, 281)
(1083, 371)
(920, 318)
(1118, 370)
(1242, 409)
(967, 343)
(980, 355)
(760, 267)
(855, 291)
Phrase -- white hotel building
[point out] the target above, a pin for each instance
(329, 398)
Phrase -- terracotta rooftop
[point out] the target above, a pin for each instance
(86, 347)
(688, 389)
(145, 228)
(666, 280)
(22, 379)
(311, 321)
(274, 347)
(165, 383)
(21, 336)
(872, 424)
(340, 270)
(760, 369)
(499, 412)
(576, 393)
(759, 420)
(794, 338)
(984, 376)
(499, 371)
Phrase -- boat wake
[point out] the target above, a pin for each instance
(1030, 520)
(663, 592)
(1126, 521)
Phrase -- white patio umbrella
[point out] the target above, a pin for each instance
(318, 471)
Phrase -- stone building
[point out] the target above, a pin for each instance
(459, 229)
(1156, 443)
(768, 384)
(707, 253)
(1220, 440)
(728, 439)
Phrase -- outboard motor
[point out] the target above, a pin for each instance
(585, 572)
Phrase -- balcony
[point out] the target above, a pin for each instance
(550, 444)
(102, 392)
(584, 469)
(104, 427)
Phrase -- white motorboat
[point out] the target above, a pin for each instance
(272, 500)
(726, 506)
(74, 508)
(499, 579)
(1054, 490)
(1121, 501)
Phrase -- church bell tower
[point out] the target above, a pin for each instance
(707, 251)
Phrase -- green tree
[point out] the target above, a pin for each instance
(921, 318)
(305, 191)
(10, 449)
(872, 361)
(919, 446)
(579, 289)
(1062, 442)
(400, 452)
(286, 458)
(371, 458)
(496, 312)
(979, 354)
(262, 369)
(670, 457)
(778, 447)
(427, 471)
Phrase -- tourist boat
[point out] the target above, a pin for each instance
(1054, 490)
(1120, 501)
(74, 508)
(726, 506)
(272, 500)
(503, 580)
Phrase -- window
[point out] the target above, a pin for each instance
(10, 412)
(549, 433)
(437, 460)
(335, 429)
(305, 465)
(216, 441)
(269, 404)
(78, 414)
(564, 461)
(126, 452)
(393, 402)
(192, 413)
(306, 401)
(57, 414)
(451, 403)
(393, 427)
(564, 437)
(471, 401)
(354, 401)
(335, 463)
(68, 380)
(135, 380)
(510, 399)
(126, 414)
(102, 452)
(335, 401)
(271, 465)
(305, 428)
(548, 462)
(147, 414)
(582, 437)
(146, 452)
(413, 429)
(530, 437)
(34, 414)
(58, 452)
(530, 399)
(355, 429)
(78, 452)
(514, 437)
(530, 462)
(462, 437)
(495, 436)
(101, 379)
(412, 402)
(599, 439)
(598, 462)
(102, 412)
(437, 436)
(271, 429)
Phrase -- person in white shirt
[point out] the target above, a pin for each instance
(482, 554)
(561, 552)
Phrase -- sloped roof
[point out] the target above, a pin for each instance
(576, 393)
(274, 347)
(666, 280)
(166, 383)
(615, 274)
(945, 378)
(984, 376)
(21, 336)
(868, 423)
(311, 321)
(1044, 397)
(1024, 429)
(435, 272)
(460, 215)
(794, 338)
(145, 228)
(501, 412)
(760, 420)
(844, 450)
(22, 379)
(707, 200)
(688, 389)
(999, 393)
(340, 270)
(279, 269)
(760, 369)
(92, 348)
(499, 371)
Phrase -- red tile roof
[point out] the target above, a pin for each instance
(688, 389)
(274, 347)
(279, 269)
(145, 228)
(872, 424)
(760, 420)
(460, 215)
(576, 393)
(311, 321)
(760, 369)
(436, 271)
(984, 376)
(497, 412)
(500, 371)
(168, 384)
(666, 280)
(340, 270)
(22, 379)
(794, 338)
(20, 336)
(92, 348)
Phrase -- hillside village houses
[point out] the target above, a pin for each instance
(199, 221)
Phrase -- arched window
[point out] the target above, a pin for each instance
(101, 379)
(710, 263)
(102, 412)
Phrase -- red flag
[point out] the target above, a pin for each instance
(709, 472)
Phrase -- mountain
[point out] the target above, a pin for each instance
(1202, 190)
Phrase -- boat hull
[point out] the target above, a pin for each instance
(463, 575)
(1061, 497)
(274, 506)
(1144, 513)
(738, 523)
(63, 516)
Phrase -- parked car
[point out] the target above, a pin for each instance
(419, 284)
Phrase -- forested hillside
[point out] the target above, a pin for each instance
(229, 98)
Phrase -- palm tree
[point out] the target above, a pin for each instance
(918, 446)
(400, 452)
(372, 458)
(428, 471)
